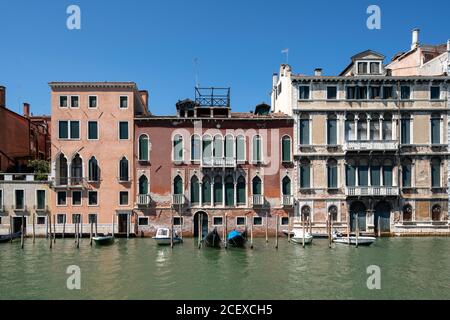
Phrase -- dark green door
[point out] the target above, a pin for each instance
(382, 218)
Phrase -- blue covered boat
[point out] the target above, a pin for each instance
(236, 238)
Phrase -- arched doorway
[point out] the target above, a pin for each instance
(358, 210)
(204, 223)
(436, 213)
(382, 218)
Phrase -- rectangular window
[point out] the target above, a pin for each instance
(375, 92)
(303, 92)
(63, 127)
(375, 68)
(257, 221)
(61, 198)
(143, 221)
(19, 197)
(92, 198)
(123, 130)
(435, 92)
(240, 148)
(74, 130)
(284, 221)
(92, 130)
(332, 131)
(76, 198)
(63, 101)
(405, 92)
(375, 177)
(363, 175)
(177, 221)
(435, 174)
(405, 131)
(305, 179)
(435, 131)
(241, 221)
(92, 102)
(362, 67)
(92, 217)
(332, 93)
(40, 220)
(40, 199)
(60, 218)
(304, 132)
(356, 93)
(74, 102)
(388, 93)
(350, 130)
(217, 221)
(76, 218)
(350, 176)
(123, 102)
(332, 176)
(406, 176)
(123, 198)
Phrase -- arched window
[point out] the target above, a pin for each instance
(362, 127)
(178, 148)
(218, 147)
(306, 212)
(332, 174)
(195, 148)
(94, 170)
(435, 173)
(375, 173)
(218, 189)
(375, 127)
(256, 149)
(143, 185)
(240, 191)
(207, 150)
(387, 173)
(363, 173)
(436, 213)
(332, 130)
(229, 147)
(206, 191)
(304, 127)
(286, 186)
(387, 127)
(240, 148)
(305, 174)
(195, 191)
(286, 149)
(177, 185)
(333, 212)
(350, 128)
(350, 174)
(407, 213)
(257, 186)
(76, 171)
(123, 169)
(143, 148)
(406, 173)
(229, 191)
(61, 167)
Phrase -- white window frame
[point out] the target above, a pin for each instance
(310, 91)
(88, 102)
(92, 205)
(240, 225)
(69, 124)
(252, 156)
(128, 203)
(65, 218)
(98, 130)
(258, 225)
(59, 101)
(128, 130)
(74, 96)
(142, 224)
(215, 224)
(128, 101)
(81, 198)
(36, 198)
(61, 205)
(182, 148)
(148, 147)
(337, 92)
(24, 198)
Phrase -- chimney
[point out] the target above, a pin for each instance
(448, 46)
(26, 109)
(274, 79)
(144, 97)
(318, 72)
(415, 38)
(2, 97)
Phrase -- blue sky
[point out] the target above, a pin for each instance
(237, 43)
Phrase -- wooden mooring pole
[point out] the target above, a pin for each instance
(50, 230)
(199, 229)
(10, 228)
(289, 229)
(225, 232)
(357, 229)
(267, 227)
(22, 229)
(348, 229)
(251, 233)
(303, 231)
(90, 235)
(54, 229)
(276, 231)
(34, 227)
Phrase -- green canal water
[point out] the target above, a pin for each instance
(138, 269)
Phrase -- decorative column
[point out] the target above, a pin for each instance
(200, 195)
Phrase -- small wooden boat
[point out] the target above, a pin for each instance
(236, 238)
(162, 237)
(7, 237)
(212, 239)
(298, 237)
(352, 240)
(103, 240)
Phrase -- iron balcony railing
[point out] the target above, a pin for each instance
(143, 199)
(372, 191)
(178, 199)
(287, 200)
(377, 145)
(257, 200)
(69, 181)
(227, 162)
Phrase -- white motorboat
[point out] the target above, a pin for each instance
(353, 240)
(297, 236)
(162, 237)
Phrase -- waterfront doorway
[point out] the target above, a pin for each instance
(204, 224)
(382, 218)
(17, 224)
(122, 223)
(357, 211)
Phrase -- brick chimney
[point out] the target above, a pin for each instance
(2, 97)
(144, 96)
(26, 109)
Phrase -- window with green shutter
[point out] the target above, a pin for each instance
(257, 186)
(350, 175)
(218, 191)
(286, 186)
(74, 129)
(195, 148)
(207, 148)
(304, 132)
(218, 147)
(229, 146)
(240, 191)
(123, 130)
(332, 131)
(178, 148)
(40, 198)
(387, 176)
(195, 190)
(305, 175)
(63, 129)
(406, 174)
(332, 174)
(286, 149)
(363, 175)
(257, 157)
(92, 130)
(435, 130)
(405, 131)
(240, 148)
(375, 177)
(229, 191)
(435, 173)
(206, 191)
(177, 185)
(143, 185)
(143, 148)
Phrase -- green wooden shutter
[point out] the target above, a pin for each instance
(74, 130)
(332, 132)
(229, 193)
(41, 199)
(387, 176)
(305, 176)
(304, 131)
(63, 130)
(286, 186)
(406, 176)
(350, 176)
(240, 149)
(435, 131)
(241, 199)
(206, 191)
(363, 176)
(332, 176)
(143, 185)
(405, 131)
(257, 187)
(375, 176)
(195, 190)
(218, 195)
(143, 148)
(229, 147)
(435, 174)
(286, 149)
(178, 185)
